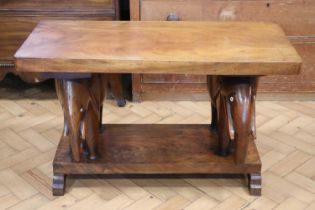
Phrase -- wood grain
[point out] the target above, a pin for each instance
(225, 48)
(161, 149)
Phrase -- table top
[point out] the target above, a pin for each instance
(182, 47)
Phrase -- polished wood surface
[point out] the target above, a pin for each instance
(154, 149)
(225, 48)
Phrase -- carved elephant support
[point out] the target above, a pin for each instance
(81, 100)
(233, 113)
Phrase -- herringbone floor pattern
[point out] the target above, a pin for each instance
(30, 127)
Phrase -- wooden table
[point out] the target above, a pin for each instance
(231, 54)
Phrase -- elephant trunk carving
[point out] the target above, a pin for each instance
(233, 113)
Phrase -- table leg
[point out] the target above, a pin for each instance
(234, 100)
(81, 100)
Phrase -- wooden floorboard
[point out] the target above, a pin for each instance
(31, 125)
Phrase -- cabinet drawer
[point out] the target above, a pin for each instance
(14, 30)
(296, 17)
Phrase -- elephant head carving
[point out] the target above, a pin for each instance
(233, 105)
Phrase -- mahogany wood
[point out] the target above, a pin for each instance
(225, 48)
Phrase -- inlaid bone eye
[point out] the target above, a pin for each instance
(231, 98)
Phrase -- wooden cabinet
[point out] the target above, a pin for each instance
(296, 17)
(18, 18)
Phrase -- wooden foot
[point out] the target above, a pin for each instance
(254, 184)
(58, 186)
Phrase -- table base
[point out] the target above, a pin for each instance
(156, 149)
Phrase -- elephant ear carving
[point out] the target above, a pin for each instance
(228, 108)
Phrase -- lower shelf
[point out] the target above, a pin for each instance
(156, 149)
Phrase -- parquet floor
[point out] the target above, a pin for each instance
(30, 127)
